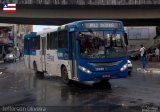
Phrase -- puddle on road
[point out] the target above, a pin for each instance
(52, 92)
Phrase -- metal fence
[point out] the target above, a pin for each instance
(83, 2)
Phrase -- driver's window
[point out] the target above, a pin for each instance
(118, 40)
(86, 42)
(81, 41)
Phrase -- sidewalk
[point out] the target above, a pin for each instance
(152, 67)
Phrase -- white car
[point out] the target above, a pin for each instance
(130, 67)
(10, 58)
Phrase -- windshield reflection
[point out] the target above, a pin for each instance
(101, 44)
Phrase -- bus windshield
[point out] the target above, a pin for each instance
(101, 44)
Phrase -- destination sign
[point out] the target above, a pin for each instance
(100, 25)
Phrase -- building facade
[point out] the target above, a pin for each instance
(11, 38)
(6, 38)
(140, 35)
(20, 31)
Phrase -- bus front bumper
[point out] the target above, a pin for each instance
(98, 76)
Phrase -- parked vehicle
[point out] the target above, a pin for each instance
(10, 58)
(134, 54)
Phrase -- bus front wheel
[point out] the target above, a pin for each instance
(64, 75)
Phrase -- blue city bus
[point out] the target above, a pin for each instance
(84, 51)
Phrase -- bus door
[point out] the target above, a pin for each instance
(43, 52)
(73, 60)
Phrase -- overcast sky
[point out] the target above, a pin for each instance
(37, 28)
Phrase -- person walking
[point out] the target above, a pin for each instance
(143, 57)
(157, 53)
(149, 54)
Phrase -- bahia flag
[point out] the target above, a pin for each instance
(9, 8)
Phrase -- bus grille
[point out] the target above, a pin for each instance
(105, 64)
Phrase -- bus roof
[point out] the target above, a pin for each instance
(81, 21)
(34, 34)
(47, 31)
(75, 22)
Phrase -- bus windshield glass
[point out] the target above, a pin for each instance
(101, 44)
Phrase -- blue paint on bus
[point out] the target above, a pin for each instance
(28, 50)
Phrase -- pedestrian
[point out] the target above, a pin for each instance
(149, 54)
(157, 53)
(143, 57)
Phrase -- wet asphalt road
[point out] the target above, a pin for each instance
(19, 87)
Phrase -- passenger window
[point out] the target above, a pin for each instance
(62, 39)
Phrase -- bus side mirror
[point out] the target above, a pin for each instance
(78, 38)
(125, 38)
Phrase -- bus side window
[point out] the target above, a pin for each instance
(52, 40)
(48, 41)
(31, 43)
(36, 43)
(62, 39)
(55, 40)
(26, 42)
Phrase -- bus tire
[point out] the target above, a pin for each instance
(35, 68)
(36, 72)
(64, 75)
(129, 73)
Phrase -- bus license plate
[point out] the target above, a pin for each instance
(106, 76)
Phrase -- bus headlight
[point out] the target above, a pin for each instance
(123, 67)
(85, 70)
